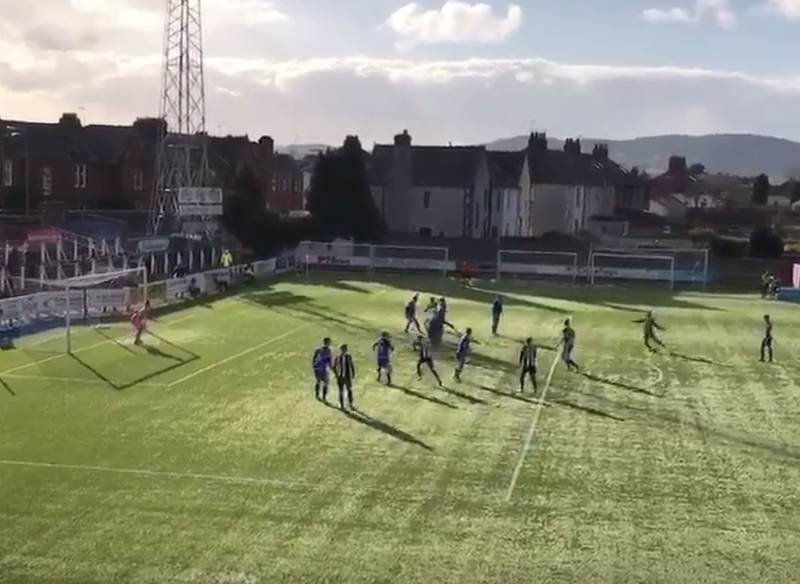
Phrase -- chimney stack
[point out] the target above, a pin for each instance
(403, 139)
(267, 146)
(572, 147)
(537, 142)
(70, 120)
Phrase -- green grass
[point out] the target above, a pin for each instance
(205, 457)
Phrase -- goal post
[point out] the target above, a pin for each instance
(556, 265)
(631, 267)
(692, 266)
(92, 295)
(348, 256)
(411, 258)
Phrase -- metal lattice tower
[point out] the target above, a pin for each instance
(182, 159)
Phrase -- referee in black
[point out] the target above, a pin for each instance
(345, 371)
(527, 364)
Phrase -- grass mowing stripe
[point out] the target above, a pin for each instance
(532, 430)
(157, 473)
(240, 354)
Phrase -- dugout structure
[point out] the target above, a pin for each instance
(538, 265)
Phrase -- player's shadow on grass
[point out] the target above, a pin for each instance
(434, 400)
(515, 396)
(7, 387)
(375, 424)
(178, 363)
(588, 410)
(781, 452)
(475, 401)
(275, 299)
(619, 385)
(700, 360)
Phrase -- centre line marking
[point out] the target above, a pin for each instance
(532, 430)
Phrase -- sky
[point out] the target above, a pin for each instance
(459, 71)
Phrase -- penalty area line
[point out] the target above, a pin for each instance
(531, 431)
(239, 355)
(157, 473)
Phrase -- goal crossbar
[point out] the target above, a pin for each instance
(568, 268)
(87, 283)
(633, 273)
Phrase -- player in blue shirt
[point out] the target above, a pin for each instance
(384, 349)
(497, 314)
(411, 314)
(423, 348)
(462, 353)
(322, 363)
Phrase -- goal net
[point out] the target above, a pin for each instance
(614, 267)
(334, 256)
(399, 258)
(347, 256)
(91, 300)
(691, 265)
(548, 265)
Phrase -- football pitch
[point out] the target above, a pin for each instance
(204, 457)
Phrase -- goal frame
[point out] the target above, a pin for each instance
(593, 268)
(75, 284)
(574, 256)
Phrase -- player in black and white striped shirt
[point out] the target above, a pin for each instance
(345, 371)
(423, 347)
(527, 362)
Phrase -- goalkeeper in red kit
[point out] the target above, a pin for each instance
(139, 322)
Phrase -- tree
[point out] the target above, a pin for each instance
(247, 217)
(765, 243)
(697, 169)
(761, 188)
(340, 199)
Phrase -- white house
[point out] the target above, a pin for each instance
(509, 215)
(432, 190)
(568, 189)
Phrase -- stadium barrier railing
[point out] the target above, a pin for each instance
(50, 309)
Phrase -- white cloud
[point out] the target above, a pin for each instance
(242, 11)
(787, 8)
(455, 22)
(719, 11)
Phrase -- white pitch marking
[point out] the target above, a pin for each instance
(238, 355)
(78, 380)
(532, 430)
(155, 473)
(60, 356)
(655, 368)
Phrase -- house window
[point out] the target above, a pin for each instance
(79, 176)
(477, 214)
(8, 173)
(138, 180)
(47, 181)
(426, 200)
